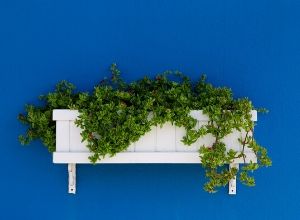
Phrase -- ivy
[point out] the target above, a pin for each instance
(117, 114)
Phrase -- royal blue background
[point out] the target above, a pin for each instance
(251, 46)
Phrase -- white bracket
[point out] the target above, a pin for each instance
(232, 182)
(72, 177)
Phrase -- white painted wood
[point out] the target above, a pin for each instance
(141, 157)
(160, 145)
(63, 136)
(72, 177)
(64, 115)
(232, 182)
(147, 142)
(243, 135)
(198, 115)
(165, 138)
(76, 144)
(180, 146)
(206, 140)
(232, 141)
(67, 114)
(179, 134)
(131, 148)
(254, 115)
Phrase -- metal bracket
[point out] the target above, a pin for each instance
(72, 177)
(232, 182)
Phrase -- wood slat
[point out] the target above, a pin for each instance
(63, 136)
(141, 157)
(69, 115)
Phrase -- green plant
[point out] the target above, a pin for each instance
(117, 114)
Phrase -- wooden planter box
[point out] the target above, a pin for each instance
(160, 145)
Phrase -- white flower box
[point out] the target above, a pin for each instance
(160, 145)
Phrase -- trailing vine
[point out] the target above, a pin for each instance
(117, 114)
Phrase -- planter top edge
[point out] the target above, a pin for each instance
(71, 115)
(64, 115)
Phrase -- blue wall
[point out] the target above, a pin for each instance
(251, 46)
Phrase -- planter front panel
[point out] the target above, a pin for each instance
(160, 139)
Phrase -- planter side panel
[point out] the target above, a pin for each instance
(63, 136)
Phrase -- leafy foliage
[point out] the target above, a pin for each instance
(39, 118)
(117, 114)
